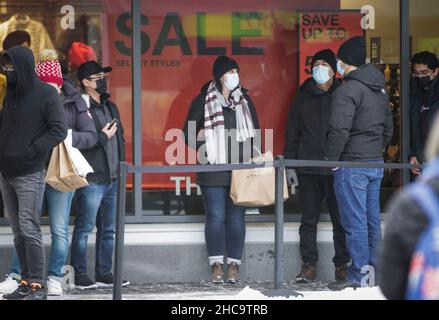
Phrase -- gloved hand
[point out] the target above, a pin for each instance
(292, 178)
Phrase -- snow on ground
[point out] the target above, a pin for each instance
(250, 294)
(245, 294)
(347, 294)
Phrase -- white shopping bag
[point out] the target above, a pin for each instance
(80, 164)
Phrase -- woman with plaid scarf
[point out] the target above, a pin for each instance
(225, 119)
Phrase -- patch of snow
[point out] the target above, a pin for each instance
(347, 294)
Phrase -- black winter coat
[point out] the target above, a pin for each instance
(32, 121)
(78, 117)
(416, 103)
(404, 226)
(361, 124)
(307, 125)
(196, 113)
(96, 156)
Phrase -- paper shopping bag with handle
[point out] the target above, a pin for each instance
(67, 171)
(255, 187)
(61, 174)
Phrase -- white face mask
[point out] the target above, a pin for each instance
(321, 74)
(231, 81)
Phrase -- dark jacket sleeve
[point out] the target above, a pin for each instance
(343, 107)
(292, 134)
(84, 133)
(257, 140)
(57, 126)
(413, 129)
(195, 120)
(388, 125)
(102, 137)
(253, 113)
(403, 229)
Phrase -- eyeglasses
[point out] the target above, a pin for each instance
(421, 74)
(97, 77)
(8, 68)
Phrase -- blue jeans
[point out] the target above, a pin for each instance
(23, 197)
(15, 265)
(58, 205)
(96, 206)
(358, 198)
(225, 223)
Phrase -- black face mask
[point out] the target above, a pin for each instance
(424, 82)
(11, 77)
(101, 86)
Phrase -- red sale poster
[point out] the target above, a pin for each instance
(320, 30)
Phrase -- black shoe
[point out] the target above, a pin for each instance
(20, 293)
(37, 293)
(107, 281)
(341, 285)
(83, 282)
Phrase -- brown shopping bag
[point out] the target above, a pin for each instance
(255, 187)
(61, 174)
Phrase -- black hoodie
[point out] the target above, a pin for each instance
(32, 121)
(361, 124)
(307, 125)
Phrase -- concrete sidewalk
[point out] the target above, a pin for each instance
(207, 291)
(177, 291)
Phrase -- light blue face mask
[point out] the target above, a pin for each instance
(321, 74)
(339, 68)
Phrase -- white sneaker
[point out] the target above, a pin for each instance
(9, 285)
(54, 287)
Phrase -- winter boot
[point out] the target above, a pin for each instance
(232, 273)
(217, 273)
(307, 274)
(341, 272)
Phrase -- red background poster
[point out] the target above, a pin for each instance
(324, 30)
(180, 41)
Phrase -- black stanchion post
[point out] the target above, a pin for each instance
(279, 290)
(120, 230)
(279, 224)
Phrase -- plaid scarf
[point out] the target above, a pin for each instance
(214, 130)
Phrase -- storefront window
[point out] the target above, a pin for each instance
(273, 42)
(78, 31)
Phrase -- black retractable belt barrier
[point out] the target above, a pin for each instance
(279, 164)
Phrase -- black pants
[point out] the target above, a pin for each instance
(312, 190)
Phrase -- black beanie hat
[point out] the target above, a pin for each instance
(427, 58)
(222, 65)
(327, 55)
(353, 52)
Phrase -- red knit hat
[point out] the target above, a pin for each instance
(79, 53)
(48, 68)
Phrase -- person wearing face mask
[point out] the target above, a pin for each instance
(84, 136)
(15, 38)
(424, 103)
(305, 138)
(96, 203)
(360, 128)
(32, 122)
(223, 104)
